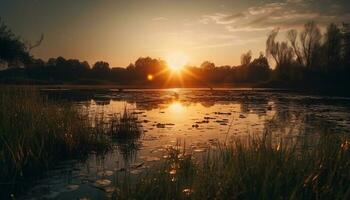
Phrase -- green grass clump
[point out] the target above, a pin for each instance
(255, 168)
(36, 133)
(125, 126)
(125, 130)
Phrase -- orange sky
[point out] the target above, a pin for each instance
(121, 31)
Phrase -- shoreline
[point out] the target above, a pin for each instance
(333, 92)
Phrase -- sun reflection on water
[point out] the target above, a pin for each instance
(198, 120)
(176, 107)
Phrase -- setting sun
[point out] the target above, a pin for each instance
(150, 77)
(176, 60)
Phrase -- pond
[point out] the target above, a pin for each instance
(193, 119)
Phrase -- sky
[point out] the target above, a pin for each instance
(120, 31)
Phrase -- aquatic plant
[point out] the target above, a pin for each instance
(124, 126)
(251, 168)
(36, 133)
(125, 130)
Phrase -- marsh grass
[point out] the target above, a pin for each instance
(36, 133)
(251, 168)
(125, 126)
(125, 130)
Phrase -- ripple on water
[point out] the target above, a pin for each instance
(105, 173)
(71, 188)
(102, 182)
(136, 171)
(199, 150)
(150, 158)
(109, 189)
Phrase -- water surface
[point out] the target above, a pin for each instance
(195, 119)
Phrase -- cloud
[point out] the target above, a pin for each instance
(231, 28)
(266, 9)
(234, 42)
(294, 1)
(285, 15)
(159, 19)
(221, 18)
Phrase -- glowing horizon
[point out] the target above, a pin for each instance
(176, 61)
(119, 32)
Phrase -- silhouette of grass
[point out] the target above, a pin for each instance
(124, 130)
(36, 133)
(124, 126)
(254, 168)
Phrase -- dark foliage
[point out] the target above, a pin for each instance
(12, 49)
(309, 60)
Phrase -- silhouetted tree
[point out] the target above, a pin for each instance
(292, 36)
(130, 67)
(280, 52)
(333, 46)
(12, 49)
(29, 46)
(310, 39)
(307, 48)
(101, 66)
(206, 65)
(101, 70)
(246, 58)
(259, 69)
(60, 69)
(346, 45)
(149, 65)
(145, 66)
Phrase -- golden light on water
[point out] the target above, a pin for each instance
(176, 107)
(175, 89)
(176, 61)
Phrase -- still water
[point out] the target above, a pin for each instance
(194, 119)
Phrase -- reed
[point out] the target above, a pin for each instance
(251, 168)
(124, 126)
(36, 133)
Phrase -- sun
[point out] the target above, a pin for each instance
(176, 61)
(150, 77)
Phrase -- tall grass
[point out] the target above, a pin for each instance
(124, 126)
(254, 168)
(125, 131)
(36, 133)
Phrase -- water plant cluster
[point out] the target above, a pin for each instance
(36, 133)
(124, 126)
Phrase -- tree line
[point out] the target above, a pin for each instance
(311, 59)
(306, 59)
